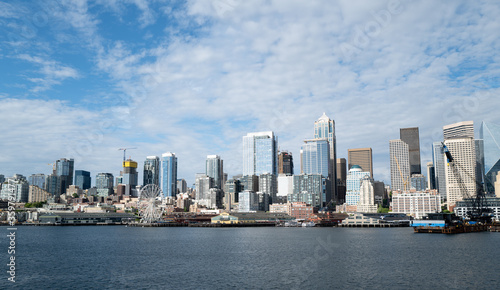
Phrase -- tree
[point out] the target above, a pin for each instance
(75, 195)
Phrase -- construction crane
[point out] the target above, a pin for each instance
(125, 150)
(478, 210)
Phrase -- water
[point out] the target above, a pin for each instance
(99, 257)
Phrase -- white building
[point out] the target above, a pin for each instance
(400, 164)
(416, 204)
(285, 185)
(17, 187)
(248, 201)
(463, 151)
(366, 202)
(353, 183)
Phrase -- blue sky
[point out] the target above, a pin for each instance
(81, 79)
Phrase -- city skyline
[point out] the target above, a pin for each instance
(84, 79)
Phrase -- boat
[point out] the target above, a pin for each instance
(308, 224)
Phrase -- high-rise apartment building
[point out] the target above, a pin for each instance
(324, 127)
(411, 137)
(169, 174)
(490, 134)
(214, 169)
(361, 157)
(151, 173)
(82, 179)
(463, 151)
(285, 163)
(104, 184)
(463, 129)
(260, 153)
(400, 165)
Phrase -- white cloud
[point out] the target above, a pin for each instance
(52, 71)
(278, 65)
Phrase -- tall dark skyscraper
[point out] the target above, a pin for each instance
(64, 169)
(285, 163)
(82, 179)
(410, 136)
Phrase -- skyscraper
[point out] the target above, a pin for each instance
(463, 151)
(151, 173)
(214, 169)
(285, 163)
(463, 129)
(82, 179)
(169, 174)
(324, 127)
(260, 153)
(130, 177)
(366, 202)
(316, 157)
(410, 136)
(400, 165)
(104, 184)
(64, 169)
(490, 134)
(361, 157)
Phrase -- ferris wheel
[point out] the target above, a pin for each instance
(148, 203)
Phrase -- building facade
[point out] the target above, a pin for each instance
(324, 127)
(416, 204)
(463, 129)
(37, 180)
(361, 157)
(151, 174)
(431, 176)
(169, 174)
(418, 182)
(130, 178)
(214, 169)
(82, 179)
(268, 183)
(490, 134)
(260, 153)
(463, 151)
(354, 177)
(309, 188)
(285, 163)
(248, 201)
(104, 184)
(411, 137)
(400, 164)
(366, 202)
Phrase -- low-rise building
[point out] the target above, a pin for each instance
(36, 194)
(416, 203)
(246, 218)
